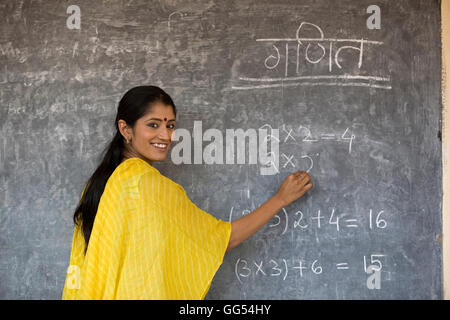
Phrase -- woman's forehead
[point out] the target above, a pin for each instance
(160, 111)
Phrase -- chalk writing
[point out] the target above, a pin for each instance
(306, 136)
(320, 220)
(315, 50)
(256, 269)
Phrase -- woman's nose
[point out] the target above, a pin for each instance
(164, 134)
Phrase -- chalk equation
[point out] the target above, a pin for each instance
(252, 269)
(314, 50)
(303, 134)
(284, 220)
(306, 136)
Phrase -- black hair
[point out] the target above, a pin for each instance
(135, 103)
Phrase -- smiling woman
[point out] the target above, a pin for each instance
(151, 136)
(137, 235)
(132, 139)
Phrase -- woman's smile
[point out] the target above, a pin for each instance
(160, 146)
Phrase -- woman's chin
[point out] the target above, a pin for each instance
(158, 157)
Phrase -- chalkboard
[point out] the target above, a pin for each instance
(346, 90)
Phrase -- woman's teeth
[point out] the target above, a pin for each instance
(161, 146)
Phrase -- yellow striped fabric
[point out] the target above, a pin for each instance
(148, 241)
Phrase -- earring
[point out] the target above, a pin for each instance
(128, 141)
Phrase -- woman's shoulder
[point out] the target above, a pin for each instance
(138, 170)
(129, 172)
(135, 166)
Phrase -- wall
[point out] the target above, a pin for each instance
(446, 144)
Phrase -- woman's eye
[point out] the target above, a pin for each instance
(153, 125)
(171, 126)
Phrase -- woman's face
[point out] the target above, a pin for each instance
(151, 136)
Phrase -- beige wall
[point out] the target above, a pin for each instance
(446, 144)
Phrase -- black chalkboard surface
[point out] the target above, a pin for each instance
(346, 90)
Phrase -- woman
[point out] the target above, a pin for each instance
(137, 235)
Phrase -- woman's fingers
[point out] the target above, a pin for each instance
(308, 186)
(302, 177)
(305, 188)
(302, 183)
(294, 186)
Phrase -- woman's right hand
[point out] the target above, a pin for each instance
(293, 187)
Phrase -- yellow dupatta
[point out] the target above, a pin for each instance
(148, 241)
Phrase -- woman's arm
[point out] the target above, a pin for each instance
(295, 185)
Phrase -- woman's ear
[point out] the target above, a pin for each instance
(124, 130)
